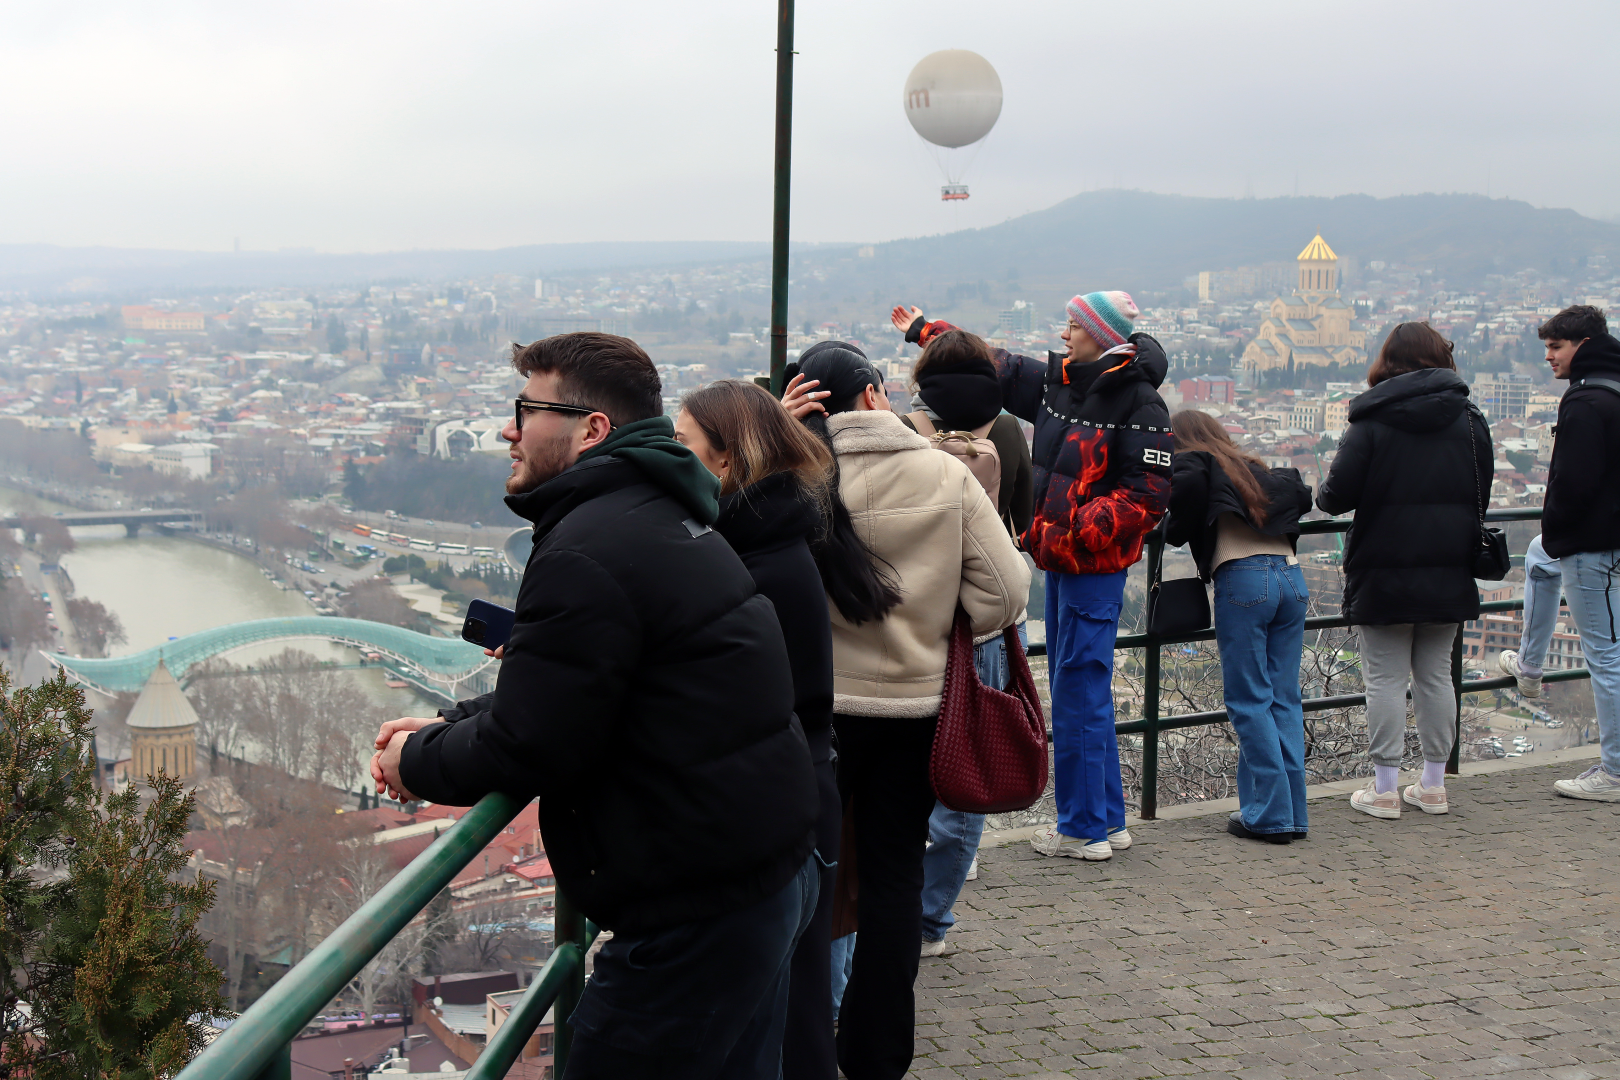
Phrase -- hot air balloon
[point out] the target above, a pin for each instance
(953, 98)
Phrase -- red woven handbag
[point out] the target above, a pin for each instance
(990, 746)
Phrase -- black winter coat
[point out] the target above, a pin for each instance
(646, 697)
(770, 525)
(1403, 466)
(1101, 454)
(1582, 508)
(1200, 492)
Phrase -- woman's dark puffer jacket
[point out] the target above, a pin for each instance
(770, 525)
(1403, 466)
(1200, 492)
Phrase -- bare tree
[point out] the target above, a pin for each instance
(96, 627)
(306, 719)
(23, 621)
(376, 599)
(361, 873)
(49, 536)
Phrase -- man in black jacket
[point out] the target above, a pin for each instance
(1578, 550)
(645, 697)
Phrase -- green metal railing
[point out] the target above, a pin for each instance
(258, 1046)
(1152, 725)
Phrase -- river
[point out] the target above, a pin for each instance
(165, 586)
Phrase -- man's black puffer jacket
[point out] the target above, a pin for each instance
(1403, 466)
(1582, 508)
(1200, 492)
(645, 696)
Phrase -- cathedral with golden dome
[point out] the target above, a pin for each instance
(1312, 326)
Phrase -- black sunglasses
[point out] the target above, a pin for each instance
(547, 406)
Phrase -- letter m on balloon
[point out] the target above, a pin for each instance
(919, 99)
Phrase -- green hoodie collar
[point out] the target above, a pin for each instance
(650, 446)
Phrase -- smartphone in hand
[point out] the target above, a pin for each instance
(487, 624)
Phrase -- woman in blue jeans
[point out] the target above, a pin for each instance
(1242, 522)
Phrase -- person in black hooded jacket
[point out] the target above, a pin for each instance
(1415, 466)
(645, 695)
(1578, 551)
(1242, 521)
(774, 490)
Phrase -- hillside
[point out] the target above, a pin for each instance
(1145, 242)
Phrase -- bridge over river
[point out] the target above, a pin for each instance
(444, 668)
(131, 520)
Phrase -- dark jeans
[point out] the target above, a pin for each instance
(702, 999)
(808, 1052)
(883, 767)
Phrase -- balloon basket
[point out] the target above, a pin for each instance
(951, 192)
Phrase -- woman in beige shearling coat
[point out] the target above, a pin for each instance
(934, 535)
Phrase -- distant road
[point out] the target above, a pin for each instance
(125, 518)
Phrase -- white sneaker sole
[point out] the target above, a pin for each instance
(1120, 843)
(1592, 796)
(1409, 800)
(1388, 814)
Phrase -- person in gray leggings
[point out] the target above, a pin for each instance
(1390, 655)
(1415, 467)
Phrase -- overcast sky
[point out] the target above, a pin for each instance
(368, 126)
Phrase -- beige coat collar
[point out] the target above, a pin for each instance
(872, 432)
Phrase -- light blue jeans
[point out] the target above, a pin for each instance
(1260, 627)
(843, 959)
(953, 835)
(1590, 582)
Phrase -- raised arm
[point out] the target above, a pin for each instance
(1022, 378)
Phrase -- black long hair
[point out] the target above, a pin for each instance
(862, 586)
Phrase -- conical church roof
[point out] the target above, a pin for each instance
(161, 704)
(1318, 251)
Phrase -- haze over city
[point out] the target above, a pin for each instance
(382, 127)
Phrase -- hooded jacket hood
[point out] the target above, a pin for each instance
(1598, 358)
(1111, 371)
(1418, 401)
(650, 446)
(768, 514)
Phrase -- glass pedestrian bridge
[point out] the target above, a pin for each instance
(445, 666)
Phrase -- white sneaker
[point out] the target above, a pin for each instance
(1594, 784)
(1369, 801)
(936, 948)
(1049, 841)
(1119, 839)
(1528, 687)
(1431, 800)
(973, 869)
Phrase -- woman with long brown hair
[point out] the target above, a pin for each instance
(774, 505)
(1242, 522)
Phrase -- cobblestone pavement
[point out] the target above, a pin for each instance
(1481, 943)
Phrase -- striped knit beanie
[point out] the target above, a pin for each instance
(1106, 316)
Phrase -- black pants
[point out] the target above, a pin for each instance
(808, 1052)
(883, 766)
(698, 1001)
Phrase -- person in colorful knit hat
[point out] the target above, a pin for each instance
(1102, 481)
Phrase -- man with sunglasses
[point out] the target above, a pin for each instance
(645, 697)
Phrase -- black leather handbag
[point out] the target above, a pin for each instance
(1491, 559)
(1177, 607)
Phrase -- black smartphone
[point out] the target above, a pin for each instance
(487, 624)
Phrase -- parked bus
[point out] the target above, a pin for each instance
(484, 552)
(452, 549)
(362, 530)
(418, 545)
(399, 538)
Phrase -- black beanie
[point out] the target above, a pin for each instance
(841, 368)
